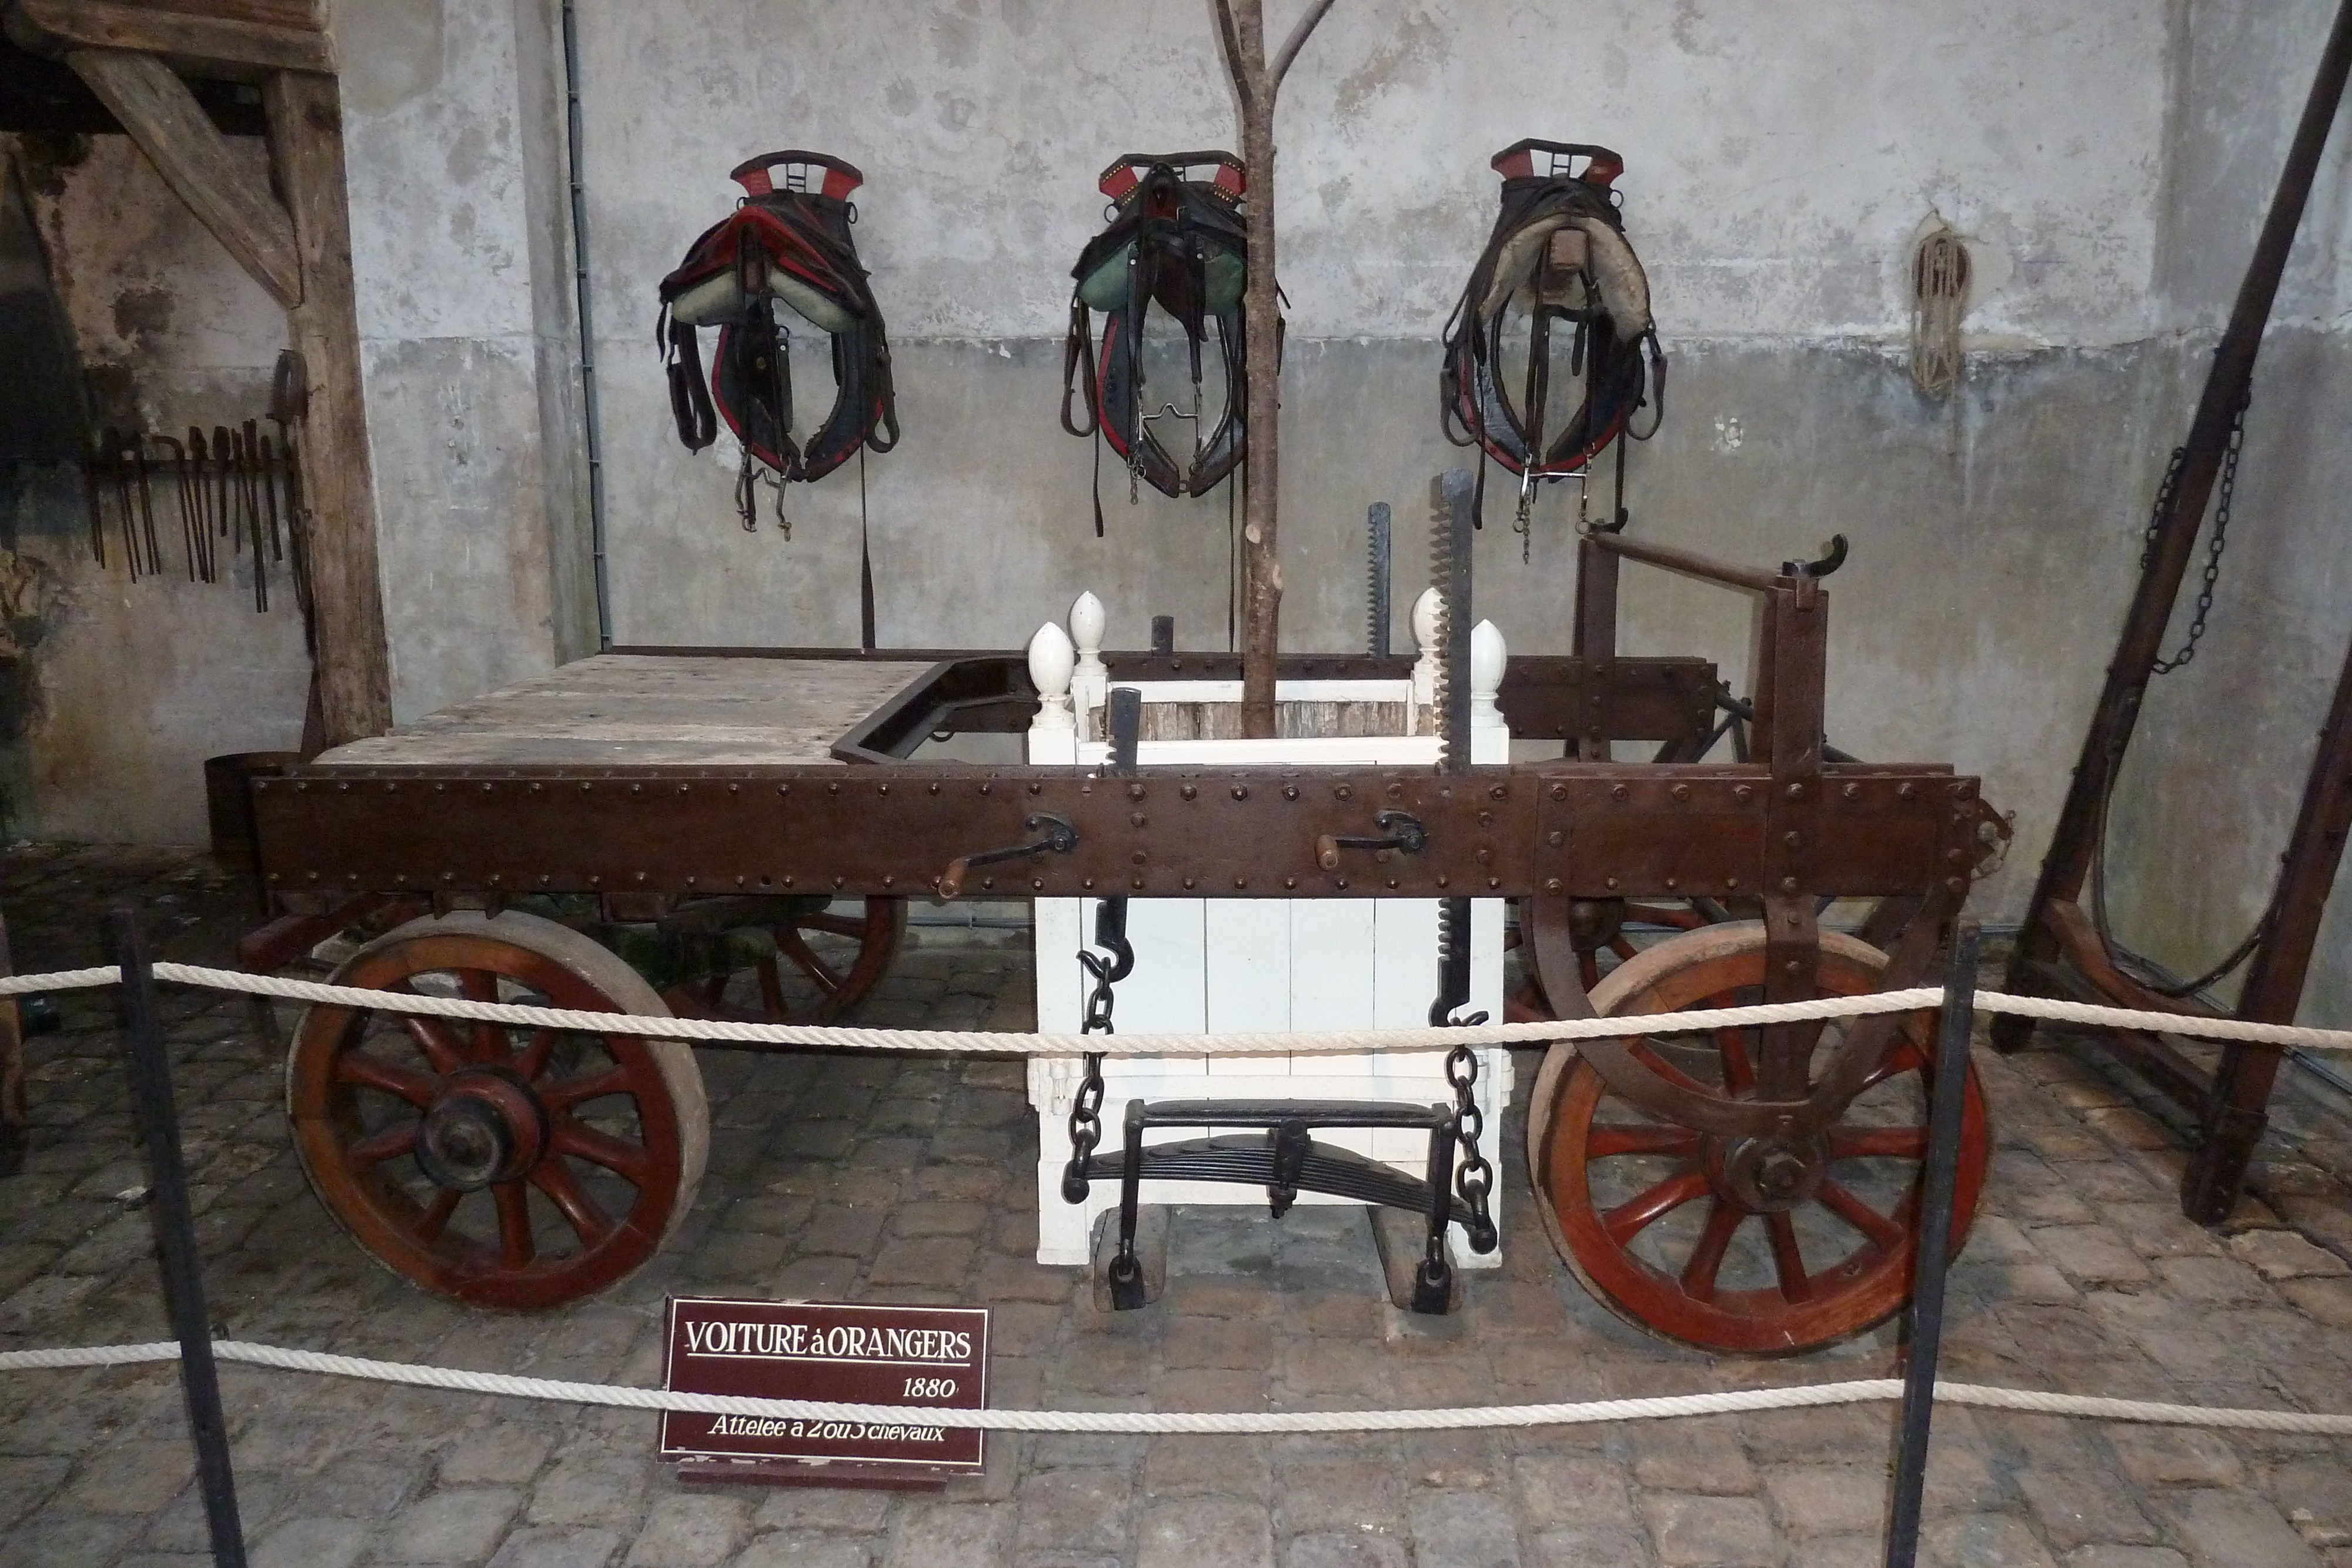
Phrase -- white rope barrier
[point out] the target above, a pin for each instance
(1578, 1413)
(1918, 998)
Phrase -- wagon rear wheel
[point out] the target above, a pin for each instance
(1735, 1244)
(500, 1166)
(824, 961)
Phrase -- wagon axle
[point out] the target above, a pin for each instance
(486, 1126)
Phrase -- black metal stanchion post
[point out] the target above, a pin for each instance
(1938, 1182)
(176, 1236)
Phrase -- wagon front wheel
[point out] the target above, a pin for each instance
(501, 1166)
(1742, 1244)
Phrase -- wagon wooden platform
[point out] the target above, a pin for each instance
(679, 710)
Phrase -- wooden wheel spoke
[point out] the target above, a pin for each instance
(1877, 1143)
(435, 1039)
(1636, 1214)
(572, 1091)
(377, 1147)
(772, 989)
(1739, 1067)
(1723, 1221)
(1612, 1138)
(516, 1248)
(1903, 1057)
(1788, 1259)
(375, 1072)
(789, 943)
(436, 1218)
(487, 1041)
(537, 1053)
(581, 1212)
(629, 1161)
(1884, 1233)
(1622, 946)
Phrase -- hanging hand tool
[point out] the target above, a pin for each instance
(248, 507)
(124, 506)
(1377, 551)
(191, 548)
(289, 404)
(258, 486)
(92, 467)
(1449, 555)
(224, 488)
(200, 496)
(146, 505)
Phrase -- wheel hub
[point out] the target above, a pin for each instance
(485, 1126)
(1767, 1175)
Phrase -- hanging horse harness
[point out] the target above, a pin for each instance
(1179, 243)
(1558, 254)
(784, 243)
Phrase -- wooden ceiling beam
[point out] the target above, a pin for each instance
(172, 129)
(234, 39)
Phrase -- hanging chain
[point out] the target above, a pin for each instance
(2214, 548)
(1476, 1178)
(1086, 1106)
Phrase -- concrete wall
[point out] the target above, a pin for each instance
(460, 244)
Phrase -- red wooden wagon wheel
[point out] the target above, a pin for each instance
(501, 1166)
(1739, 1243)
(826, 962)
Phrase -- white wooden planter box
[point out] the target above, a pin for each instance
(1251, 965)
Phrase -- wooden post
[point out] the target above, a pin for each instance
(354, 675)
(1241, 25)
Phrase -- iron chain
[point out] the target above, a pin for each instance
(2214, 547)
(1476, 1178)
(1086, 1106)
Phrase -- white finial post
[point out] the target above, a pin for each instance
(1051, 659)
(1488, 656)
(1424, 670)
(1089, 680)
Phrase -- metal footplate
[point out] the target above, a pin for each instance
(1287, 1161)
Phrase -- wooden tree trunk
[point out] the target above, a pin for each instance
(1257, 81)
(1262, 327)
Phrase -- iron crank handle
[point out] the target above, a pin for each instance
(1707, 568)
(1403, 829)
(1830, 562)
(1060, 838)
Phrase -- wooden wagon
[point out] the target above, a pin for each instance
(1750, 1190)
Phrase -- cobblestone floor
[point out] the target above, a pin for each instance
(899, 1180)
